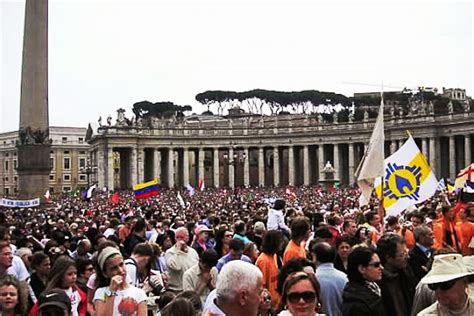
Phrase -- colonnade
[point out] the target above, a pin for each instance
(241, 165)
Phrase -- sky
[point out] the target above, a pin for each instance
(109, 54)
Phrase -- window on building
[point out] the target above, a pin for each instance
(82, 177)
(6, 166)
(6, 155)
(66, 152)
(67, 177)
(51, 177)
(6, 179)
(51, 190)
(6, 191)
(67, 163)
(14, 164)
(51, 163)
(66, 189)
(82, 162)
(82, 152)
(64, 140)
(81, 140)
(51, 152)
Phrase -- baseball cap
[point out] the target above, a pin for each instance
(55, 297)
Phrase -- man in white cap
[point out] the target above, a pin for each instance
(448, 277)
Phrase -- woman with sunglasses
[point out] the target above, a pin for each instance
(362, 295)
(301, 295)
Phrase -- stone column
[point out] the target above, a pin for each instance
(467, 150)
(351, 163)
(185, 166)
(110, 168)
(276, 166)
(321, 161)
(216, 167)
(133, 166)
(246, 167)
(432, 154)
(141, 165)
(452, 158)
(424, 147)
(337, 165)
(231, 167)
(201, 164)
(306, 165)
(261, 167)
(291, 166)
(393, 146)
(102, 167)
(171, 167)
(157, 164)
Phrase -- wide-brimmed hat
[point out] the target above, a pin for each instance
(445, 268)
(201, 229)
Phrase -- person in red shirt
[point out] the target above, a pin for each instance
(300, 229)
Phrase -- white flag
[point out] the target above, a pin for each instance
(371, 165)
(180, 200)
(408, 179)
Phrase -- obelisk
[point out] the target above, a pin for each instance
(34, 144)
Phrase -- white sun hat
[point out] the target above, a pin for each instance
(446, 268)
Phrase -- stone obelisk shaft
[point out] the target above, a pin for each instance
(34, 74)
(34, 145)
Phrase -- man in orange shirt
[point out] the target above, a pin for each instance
(447, 232)
(467, 231)
(300, 229)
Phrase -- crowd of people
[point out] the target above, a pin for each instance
(247, 251)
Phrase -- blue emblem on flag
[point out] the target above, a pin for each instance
(402, 182)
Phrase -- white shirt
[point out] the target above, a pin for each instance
(276, 220)
(210, 306)
(132, 296)
(75, 299)
(18, 269)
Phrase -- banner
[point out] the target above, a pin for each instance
(19, 203)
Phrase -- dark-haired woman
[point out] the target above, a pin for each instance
(267, 262)
(114, 296)
(362, 295)
(343, 249)
(301, 295)
(63, 276)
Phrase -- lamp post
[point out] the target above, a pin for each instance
(236, 159)
(88, 169)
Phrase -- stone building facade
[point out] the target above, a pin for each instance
(265, 150)
(68, 157)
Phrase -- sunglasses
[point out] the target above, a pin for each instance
(375, 264)
(443, 285)
(295, 297)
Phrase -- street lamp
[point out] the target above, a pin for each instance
(237, 159)
(88, 169)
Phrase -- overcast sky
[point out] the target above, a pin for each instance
(109, 54)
